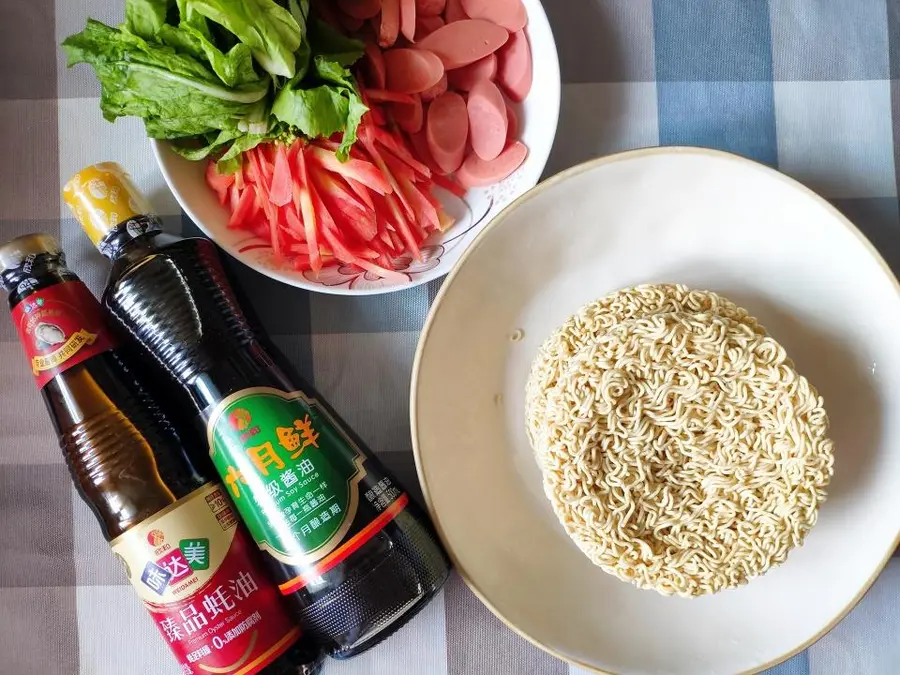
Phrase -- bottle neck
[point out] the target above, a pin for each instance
(135, 234)
(36, 273)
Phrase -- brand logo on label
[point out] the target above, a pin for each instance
(206, 592)
(239, 419)
(155, 538)
(196, 552)
(156, 578)
(175, 564)
(135, 228)
(31, 306)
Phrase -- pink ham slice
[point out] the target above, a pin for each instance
(488, 121)
(475, 172)
(463, 79)
(454, 11)
(430, 7)
(463, 42)
(408, 19)
(510, 14)
(360, 9)
(436, 90)
(409, 117)
(426, 25)
(447, 130)
(512, 124)
(515, 68)
(389, 27)
(411, 71)
(374, 67)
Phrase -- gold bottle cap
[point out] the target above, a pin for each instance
(14, 252)
(101, 197)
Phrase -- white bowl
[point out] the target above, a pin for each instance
(539, 115)
(712, 221)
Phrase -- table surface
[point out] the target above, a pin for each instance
(809, 86)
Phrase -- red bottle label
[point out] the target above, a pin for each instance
(194, 568)
(60, 327)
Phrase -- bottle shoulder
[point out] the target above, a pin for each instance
(103, 402)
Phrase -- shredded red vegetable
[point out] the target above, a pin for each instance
(314, 211)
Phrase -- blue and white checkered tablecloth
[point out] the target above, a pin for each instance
(809, 86)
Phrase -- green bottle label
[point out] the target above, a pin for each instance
(292, 473)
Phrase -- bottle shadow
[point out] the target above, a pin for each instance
(844, 381)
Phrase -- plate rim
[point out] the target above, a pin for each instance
(540, 188)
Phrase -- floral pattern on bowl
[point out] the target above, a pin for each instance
(434, 252)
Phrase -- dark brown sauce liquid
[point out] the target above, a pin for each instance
(176, 303)
(125, 458)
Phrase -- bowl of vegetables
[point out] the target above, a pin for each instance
(348, 147)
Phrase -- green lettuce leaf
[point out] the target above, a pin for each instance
(267, 28)
(233, 68)
(333, 71)
(327, 41)
(175, 94)
(320, 111)
(230, 161)
(146, 17)
(190, 17)
(328, 100)
(203, 146)
(219, 77)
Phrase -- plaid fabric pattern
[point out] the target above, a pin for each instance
(809, 86)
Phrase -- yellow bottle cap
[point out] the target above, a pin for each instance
(103, 196)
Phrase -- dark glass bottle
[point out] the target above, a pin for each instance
(348, 548)
(166, 520)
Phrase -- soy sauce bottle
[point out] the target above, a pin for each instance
(351, 552)
(192, 564)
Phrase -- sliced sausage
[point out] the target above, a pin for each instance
(463, 79)
(488, 121)
(447, 129)
(349, 23)
(426, 25)
(475, 172)
(360, 9)
(411, 71)
(408, 117)
(385, 96)
(436, 90)
(389, 27)
(408, 19)
(512, 124)
(519, 20)
(430, 7)
(454, 11)
(515, 68)
(510, 14)
(374, 67)
(423, 153)
(463, 42)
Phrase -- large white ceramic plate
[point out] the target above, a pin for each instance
(538, 117)
(713, 221)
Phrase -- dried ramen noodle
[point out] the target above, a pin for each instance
(680, 449)
(595, 319)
